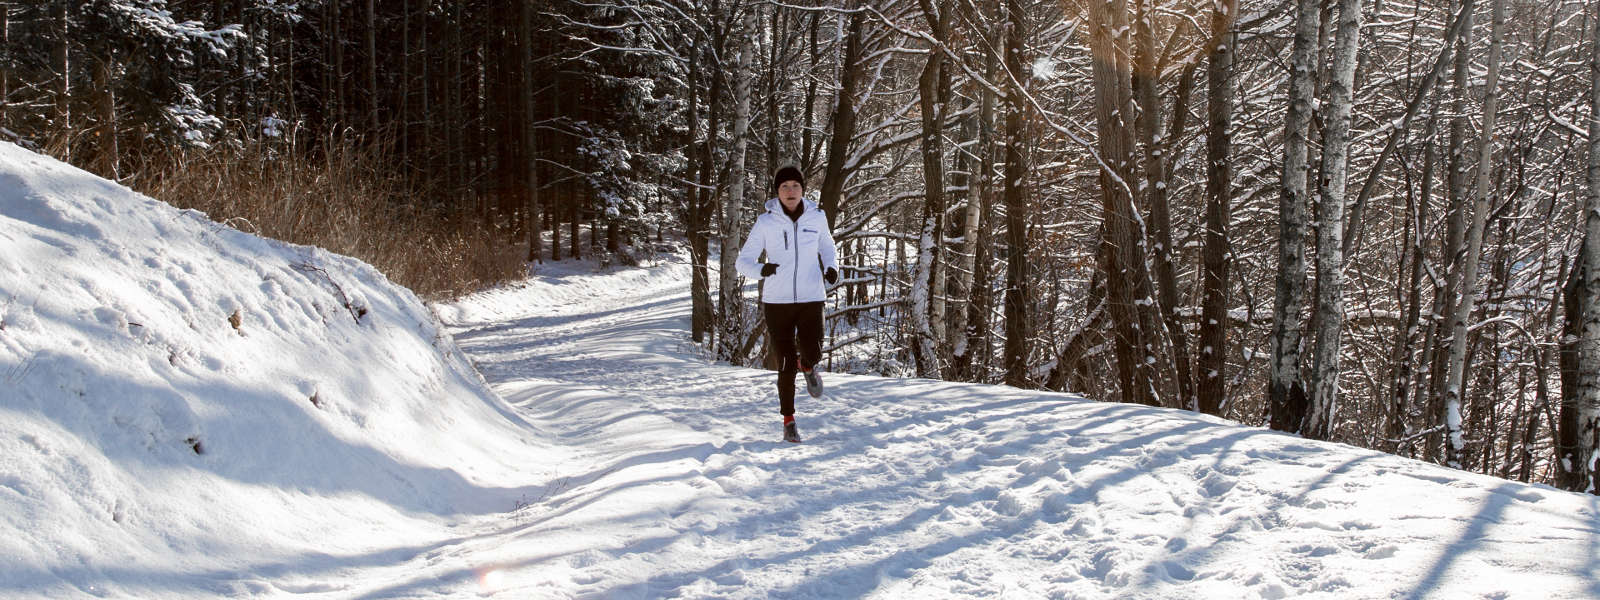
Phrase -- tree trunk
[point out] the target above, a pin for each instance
(844, 121)
(372, 70)
(1016, 201)
(5, 66)
(807, 160)
(289, 76)
(1455, 234)
(730, 308)
(1455, 442)
(456, 122)
(973, 351)
(1211, 366)
(1122, 245)
(968, 273)
(342, 87)
(771, 77)
(61, 59)
(1318, 423)
(691, 192)
(1570, 474)
(925, 348)
(1146, 75)
(1397, 427)
(1287, 395)
(327, 100)
(106, 157)
(403, 115)
(245, 102)
(425, 106)
(575, 211)
(1587, 392)
(529, 140)
(553, 212)
(1541, 404)
(703, 316)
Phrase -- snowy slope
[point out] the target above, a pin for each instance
(190, 410)
(621, 464)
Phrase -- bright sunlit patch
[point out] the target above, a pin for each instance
(491, 581)
(1044, 68)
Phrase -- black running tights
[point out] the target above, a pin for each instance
(796, 332)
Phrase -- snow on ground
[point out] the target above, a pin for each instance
(911, 488)
(190, 411)
(151, 449)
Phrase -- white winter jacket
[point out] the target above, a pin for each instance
(803, 251)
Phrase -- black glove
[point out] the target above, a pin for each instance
(767, 269)
(831, 275)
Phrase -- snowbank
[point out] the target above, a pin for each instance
(183, 404)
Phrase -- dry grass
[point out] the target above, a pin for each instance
(342, 198)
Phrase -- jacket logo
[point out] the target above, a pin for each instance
(808, 230)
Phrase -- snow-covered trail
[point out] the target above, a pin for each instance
(189, 411)
(678, 485)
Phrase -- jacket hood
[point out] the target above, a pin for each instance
(776, 207)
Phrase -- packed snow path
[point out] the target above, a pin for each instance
(190, 411)
(679, 486)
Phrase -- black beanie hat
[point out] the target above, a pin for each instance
(787, 174)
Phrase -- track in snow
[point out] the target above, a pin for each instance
(683, 488)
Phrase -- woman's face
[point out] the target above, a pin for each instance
(789, 193)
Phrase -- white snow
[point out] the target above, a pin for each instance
(151, 449)
(620, 462)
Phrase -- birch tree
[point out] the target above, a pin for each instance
(1330, 226)
(1287, 395)
(969, 311)
(1587, 393)
(925, 345)
(730, 308)
(1457, 197)
(971, 331)
(1455, 442)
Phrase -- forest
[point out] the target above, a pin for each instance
(1367, 221)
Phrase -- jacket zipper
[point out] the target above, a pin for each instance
(794, 287)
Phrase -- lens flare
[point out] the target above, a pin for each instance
(491, 581)
(1044, 69)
